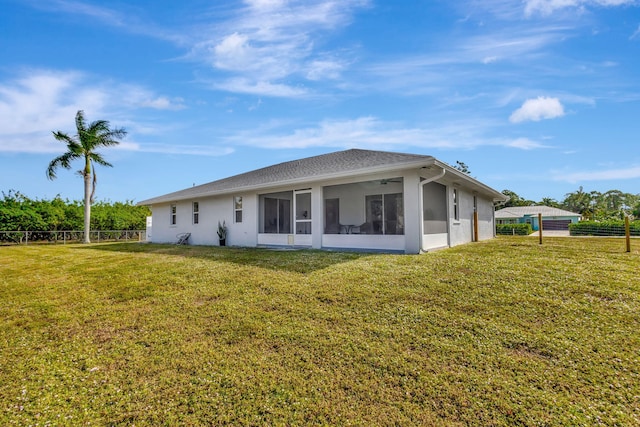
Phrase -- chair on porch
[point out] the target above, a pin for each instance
(364, 228)
(183, 238)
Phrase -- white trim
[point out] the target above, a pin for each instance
(393, 242)
(433, 241)
(274, 239)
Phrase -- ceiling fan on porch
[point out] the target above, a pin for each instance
(386, 181)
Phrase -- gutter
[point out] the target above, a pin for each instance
(421, 202)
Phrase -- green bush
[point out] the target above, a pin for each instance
(514, 229)
(604, 228)
(20, 213)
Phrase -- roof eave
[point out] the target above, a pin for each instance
(496, 195)
(427, 161)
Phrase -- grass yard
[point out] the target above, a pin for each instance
(504, 332)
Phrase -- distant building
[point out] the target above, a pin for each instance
(552, 218)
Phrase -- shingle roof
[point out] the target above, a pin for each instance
(316, 168)
(520, 211)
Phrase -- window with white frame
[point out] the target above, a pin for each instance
(456, 209)
(237, 208)
(196, 212)
(173, 219)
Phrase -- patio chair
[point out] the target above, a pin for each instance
(183, 238)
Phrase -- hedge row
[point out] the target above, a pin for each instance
(603, 228)
(514, 229)
(20, 213)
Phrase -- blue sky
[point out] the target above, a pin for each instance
(535, 96)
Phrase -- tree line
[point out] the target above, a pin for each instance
(592, 205)
(21, 213)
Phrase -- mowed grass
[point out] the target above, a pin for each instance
(505, 332)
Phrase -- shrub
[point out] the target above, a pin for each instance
(514, 229)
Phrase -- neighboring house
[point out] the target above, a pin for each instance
(353, 199)
(552, 218)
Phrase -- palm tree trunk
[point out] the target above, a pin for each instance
(87, 207)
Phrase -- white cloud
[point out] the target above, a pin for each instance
(525, 144)
(135, 96)
(599, 175)
(42, 101)
(266, 88)
(547, 7)
(538, 109)
(270, 43)
(324, 69)
(188, 150)
(371, 132)
(125, 20)
(232, 52)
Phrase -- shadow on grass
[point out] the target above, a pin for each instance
(292, 260)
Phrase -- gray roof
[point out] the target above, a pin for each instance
(311, 169)
(521, 211)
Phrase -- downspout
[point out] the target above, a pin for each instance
(421, 202)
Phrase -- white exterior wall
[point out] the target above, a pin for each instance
(352, 212)
(412, 211)
(460, 230)
(486, 225)
(211, 210)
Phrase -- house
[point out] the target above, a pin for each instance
(353, 199)
(552, 218)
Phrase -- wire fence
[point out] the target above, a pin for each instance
(626, 230)
(69, 236)
(605, 228)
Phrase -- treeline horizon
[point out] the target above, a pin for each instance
(19, 212)
(592, 205)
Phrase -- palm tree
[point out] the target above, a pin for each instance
(83, 146)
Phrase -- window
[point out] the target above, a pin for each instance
(196, 212)
(237, 208)
(385, 214)
(456, 210)
(174, 215)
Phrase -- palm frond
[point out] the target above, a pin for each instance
(61, 161)
(97, 158)
(80, 122)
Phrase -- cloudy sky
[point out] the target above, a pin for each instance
(535, 96)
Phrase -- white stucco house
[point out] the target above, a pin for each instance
(351, 200)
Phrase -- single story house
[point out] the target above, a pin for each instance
(353, 199)
(552, 218)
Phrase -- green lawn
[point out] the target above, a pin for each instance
(505, 332)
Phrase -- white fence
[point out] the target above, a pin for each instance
(70, 236)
